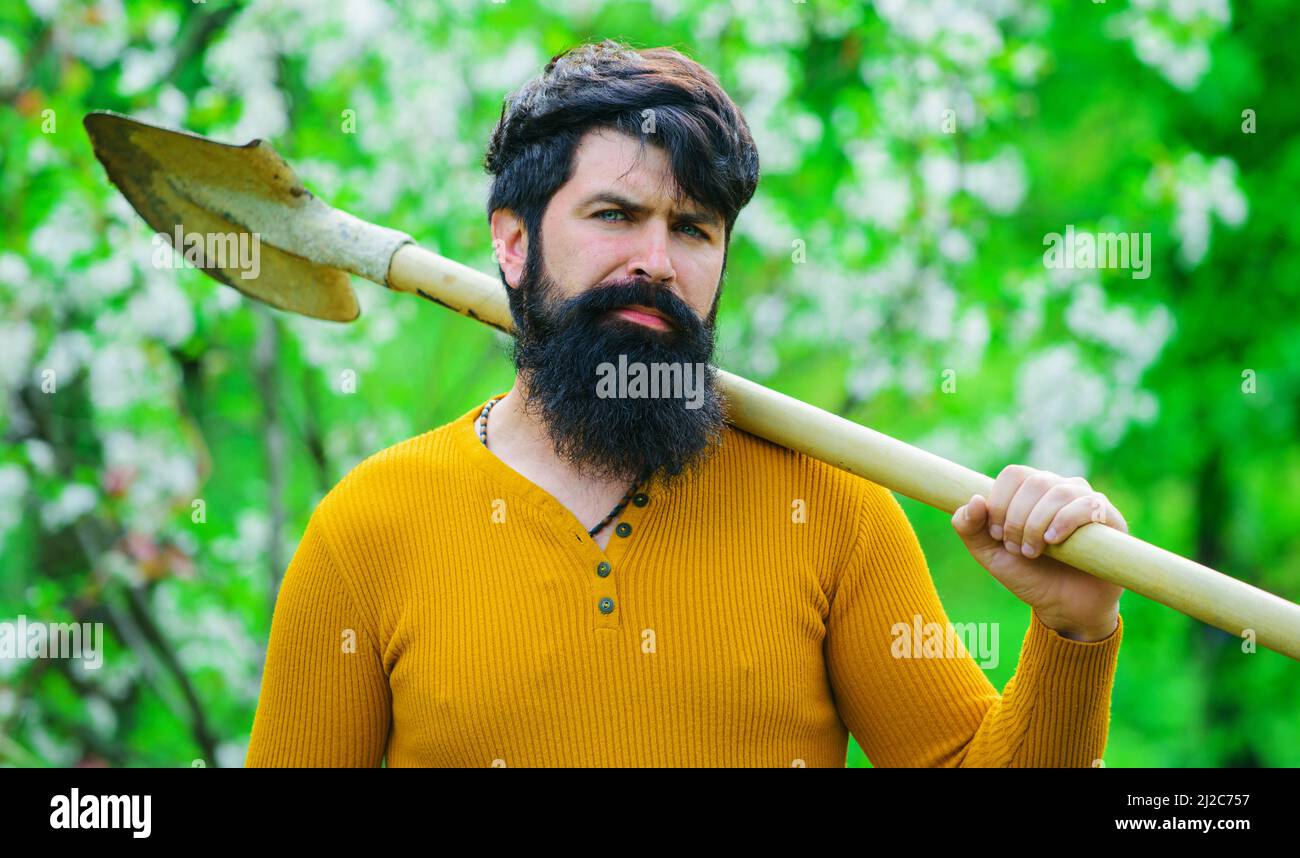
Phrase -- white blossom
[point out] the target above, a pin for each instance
(17, 341)
(13, 490)
(11, 64)
(73, 501)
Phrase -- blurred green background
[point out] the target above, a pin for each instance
(914, 154)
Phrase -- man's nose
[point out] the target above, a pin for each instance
(650, 258)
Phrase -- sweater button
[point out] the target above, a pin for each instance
(640, 499)
(606, 605)
(623, 528)
(602, 568)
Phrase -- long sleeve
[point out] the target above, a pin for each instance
(942, 711)
(325, 698)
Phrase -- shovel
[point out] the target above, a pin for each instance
(181, 182)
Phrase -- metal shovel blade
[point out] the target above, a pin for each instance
(177, 180)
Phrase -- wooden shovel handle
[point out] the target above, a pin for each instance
(1186, 586)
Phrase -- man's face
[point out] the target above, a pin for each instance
(621, 281)
(615, 220)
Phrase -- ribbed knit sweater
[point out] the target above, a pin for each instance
(443, 610)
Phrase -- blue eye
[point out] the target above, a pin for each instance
(696, 232)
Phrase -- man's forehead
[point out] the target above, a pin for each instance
(613, 167)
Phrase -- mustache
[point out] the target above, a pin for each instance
(606, 298)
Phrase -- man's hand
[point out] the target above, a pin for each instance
(1006, 534)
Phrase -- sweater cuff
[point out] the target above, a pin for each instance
(1043, 628)
(1067, 683)
(1077, 664)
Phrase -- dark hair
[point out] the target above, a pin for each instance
(609, 85)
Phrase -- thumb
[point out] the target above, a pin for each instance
(971, 521)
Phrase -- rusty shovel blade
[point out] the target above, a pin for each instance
(185, 185)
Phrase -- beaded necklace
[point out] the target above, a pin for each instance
(481, 425)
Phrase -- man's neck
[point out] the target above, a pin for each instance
(516, 435)
(519, 438)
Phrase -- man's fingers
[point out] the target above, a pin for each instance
(1031, 492)
(1055, 500)
(1082, 510)
(1004, 487)
(971, 523)
(970, 519)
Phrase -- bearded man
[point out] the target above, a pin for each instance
(585, 573)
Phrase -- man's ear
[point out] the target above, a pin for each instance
(509, 244)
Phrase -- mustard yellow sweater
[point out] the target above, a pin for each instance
(443, 610)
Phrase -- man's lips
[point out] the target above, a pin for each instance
(643, 315)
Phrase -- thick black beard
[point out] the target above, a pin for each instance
(558, 349)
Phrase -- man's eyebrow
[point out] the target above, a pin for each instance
(701, 218)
